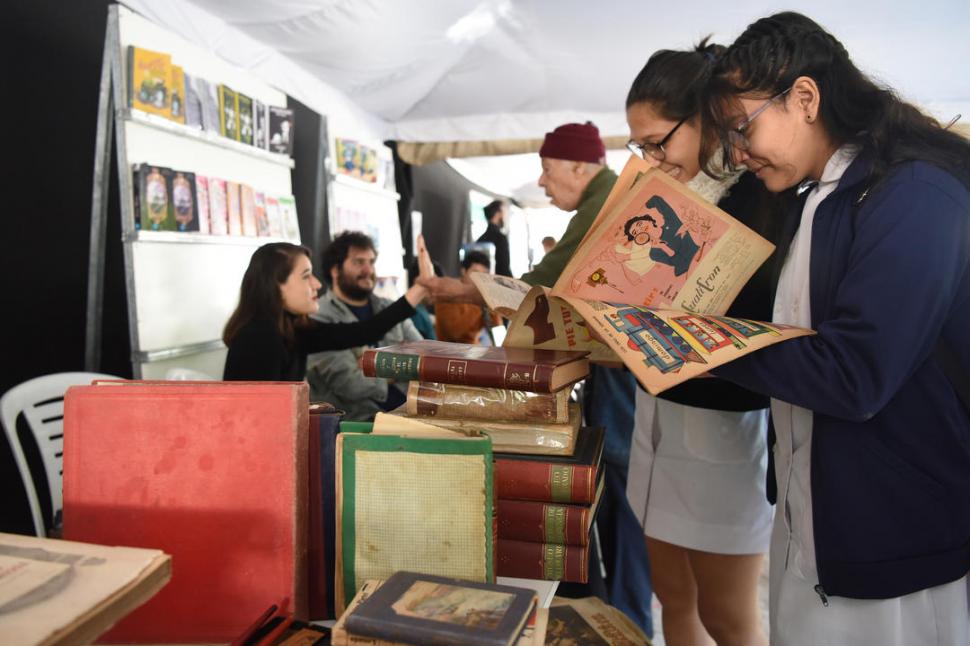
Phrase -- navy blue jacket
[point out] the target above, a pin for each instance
(890, 280)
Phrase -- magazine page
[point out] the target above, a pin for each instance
(666, 347)
(500, 293)
(544, 321)
(664, 246)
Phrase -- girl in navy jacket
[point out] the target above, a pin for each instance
(871, 542)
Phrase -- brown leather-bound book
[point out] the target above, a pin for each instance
(564, 479)
(448, 401)
(542, 371)
(547, 522)
(547, 561)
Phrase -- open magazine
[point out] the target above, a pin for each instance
(648, 286)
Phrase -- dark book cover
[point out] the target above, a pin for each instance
(474, 365)
(260, 125)
(426, 609)
(281, 130)
(155, 210)
(136, 170)
(184, 201)
(547, 522)
(244, 117)
(324, 426)
(193, 103)
(227, 113)
(553, 478)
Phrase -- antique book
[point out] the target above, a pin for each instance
(324, 426)
(244, 119)
(176, 106)
(543, 371)
(547, 522)
(449, 401)
(202, 202)
(184, 204)
(228, 122)
(149, 79)
(551, 561)
(280, 130)
(564, 479)
(423, 505)
(213, 473)
(234, 208)
(64, 592)
(591, 622)
(509, 437)
(443, 610)
(218, 207)
(247, 208)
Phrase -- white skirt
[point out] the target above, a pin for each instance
(697, 476)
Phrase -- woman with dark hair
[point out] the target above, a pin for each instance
(698, 460)
(270, 333)
(871, 542)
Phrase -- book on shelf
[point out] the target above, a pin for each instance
(552, 561)
(260, 125)
(368, 164)
(262, 219)
(432, 609)
(532, 634)
(510, 437)
(247, 207)
(568, 479)
(218, 207)
(228, 121)
(202, 202)
(590, 621)
(547, 522)
(184, 204)
(193, 103)
(211, 105)
(462, 364)
(412, 504)
(149, 81)
(154, 210)
(176, 106)
(234, 208)
(652, 279)
(449, 401)
(348, 157)
(288, 218)
(273, 216)
(213, 473)
(280, 130)
(244, 119)
(65, 592)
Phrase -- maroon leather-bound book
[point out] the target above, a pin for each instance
(546, 522)
(552, 478)
(541, 371)
(547, 561)
(213, 473)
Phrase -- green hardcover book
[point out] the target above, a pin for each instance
(414, 504)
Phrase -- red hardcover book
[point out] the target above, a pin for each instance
(552, 478)
(541, 371)
(214, 474)
(546, 522)
(547, 561)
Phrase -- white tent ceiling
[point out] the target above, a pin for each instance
(425, 70)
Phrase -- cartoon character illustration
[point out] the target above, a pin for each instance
(659, 237)
(662, 347)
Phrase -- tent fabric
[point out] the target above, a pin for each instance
(477, 70)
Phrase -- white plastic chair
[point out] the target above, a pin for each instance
(41, 400)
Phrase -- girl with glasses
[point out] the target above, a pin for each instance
(871, 540)
(698, 459)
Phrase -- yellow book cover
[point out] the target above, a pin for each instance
(176, 105)
(149, 80)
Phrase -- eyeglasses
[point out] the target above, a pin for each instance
(654, 150)
(736, 136)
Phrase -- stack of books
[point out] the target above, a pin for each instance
(548, 479)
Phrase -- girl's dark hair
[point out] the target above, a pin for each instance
(260, 296)
(673, 81)
(773, 52)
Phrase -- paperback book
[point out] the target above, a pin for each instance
(218, 207)
(280, 130)
(149, 81)
(228, 122)
(184, 201)
(176, 105)
(244, 119)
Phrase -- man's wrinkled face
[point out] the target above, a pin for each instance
(563, 182)
(356, 276)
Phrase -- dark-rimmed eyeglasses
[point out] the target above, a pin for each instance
(653, 150)
(736, 136)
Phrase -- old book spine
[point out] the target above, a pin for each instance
(546, 561)
(541, 522)
(463, 372)
(544, 481)
(449, 401)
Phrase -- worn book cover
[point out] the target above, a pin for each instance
(547, 522)
(443, 610)
(218, 207)
(184, 202)
(590, 622)
(553, 478)
(234, 208)
(244, 119)
(149, 80)
(412, 504)
(176, 106)
(228, 121)
(280, 130)
(430, 399)
(213, 473)
(324, 426)
(463, 364)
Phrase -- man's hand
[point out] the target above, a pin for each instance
(451, 290)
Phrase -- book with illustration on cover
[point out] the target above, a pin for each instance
(547, 522)
(202, 202)
(432, 609)
(184, 201)
(260, 125)
(543, 371)
(155, 211)
(347, 157)
(553, 478)
(273, 216)
(368, 164)
(244, 119)
(590, 622)
(218, 207)
(234, 208)
(176, 106)
(228, 122)
(280, 130)
(412, 504)
(448, 401)
(262, 219)
(288, 218)
(149, 81)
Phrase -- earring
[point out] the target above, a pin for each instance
(809, 118)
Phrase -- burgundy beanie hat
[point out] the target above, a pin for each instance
(574, 142)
